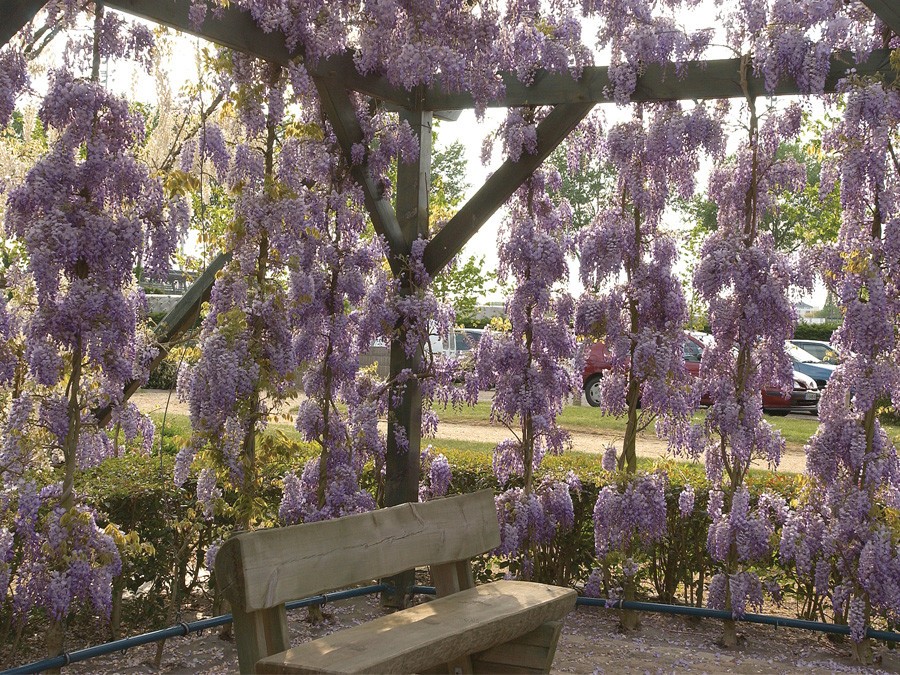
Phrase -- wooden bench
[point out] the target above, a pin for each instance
(505, 626)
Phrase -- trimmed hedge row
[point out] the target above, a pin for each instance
(137, 494)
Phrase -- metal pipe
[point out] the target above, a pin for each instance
(183, 628)
(178, 630)
(706, 613)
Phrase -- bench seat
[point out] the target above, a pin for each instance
(440, 631)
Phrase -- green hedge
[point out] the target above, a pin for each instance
(815, 331)
(137, 493)
(679, 566)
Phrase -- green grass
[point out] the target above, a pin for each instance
(795, 430)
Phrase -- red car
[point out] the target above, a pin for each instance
(804, 397)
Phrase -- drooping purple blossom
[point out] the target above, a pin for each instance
(633, 301)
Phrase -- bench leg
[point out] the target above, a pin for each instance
(531, 653)
(259, 634)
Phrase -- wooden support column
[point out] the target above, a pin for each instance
(405, 419)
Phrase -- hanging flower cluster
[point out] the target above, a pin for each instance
(634, 302)
(85, 216)
(841, 539)
(629, 518)
(13, 79)
(412, 42)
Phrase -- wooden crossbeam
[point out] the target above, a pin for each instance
(179, 320)
(341, 113)
(501, 185)
(888, 11)
(15, 14)
(719, 78)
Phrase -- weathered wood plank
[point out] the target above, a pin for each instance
(709, 79)
(500, 186)
(452, 577)
(268, 567)
(532, 652)
(17, 13)
(888, 11)
(441, 630)
(259, 634)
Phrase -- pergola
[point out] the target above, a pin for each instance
(403, 223)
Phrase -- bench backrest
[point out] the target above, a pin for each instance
(265, 568)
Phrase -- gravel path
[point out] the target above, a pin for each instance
(794, 461)
(591, 642)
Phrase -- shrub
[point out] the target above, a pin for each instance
(815, 331)
(165, 375)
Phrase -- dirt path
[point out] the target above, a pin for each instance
(794, 461)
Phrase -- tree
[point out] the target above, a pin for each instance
(806, 218)
(529, 368)
(844, 536)
(464, 282)
(462, 286)
(588, 181)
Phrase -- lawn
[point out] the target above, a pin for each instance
(585, 419)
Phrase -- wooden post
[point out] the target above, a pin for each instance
(402, 461)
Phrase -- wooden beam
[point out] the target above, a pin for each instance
(405, 419)
(500, 186)
(235, 28)
(341, 113)
(179, 320)
(700, 80)
(414, 181)
(888, 11)
(16, 14)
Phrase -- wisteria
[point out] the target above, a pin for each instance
(86, 214)
(841, 539)
(745, 282)
(634, 302)
(527, 365)
(309, 287)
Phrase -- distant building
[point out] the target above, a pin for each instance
(176, 283)
(804, 310)
(490, 310)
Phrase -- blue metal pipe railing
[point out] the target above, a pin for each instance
(705, 613)
(185, 628)
(178, 630)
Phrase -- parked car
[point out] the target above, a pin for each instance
(809, 364)
(820, 349)
(455, 346)
(803, 397)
